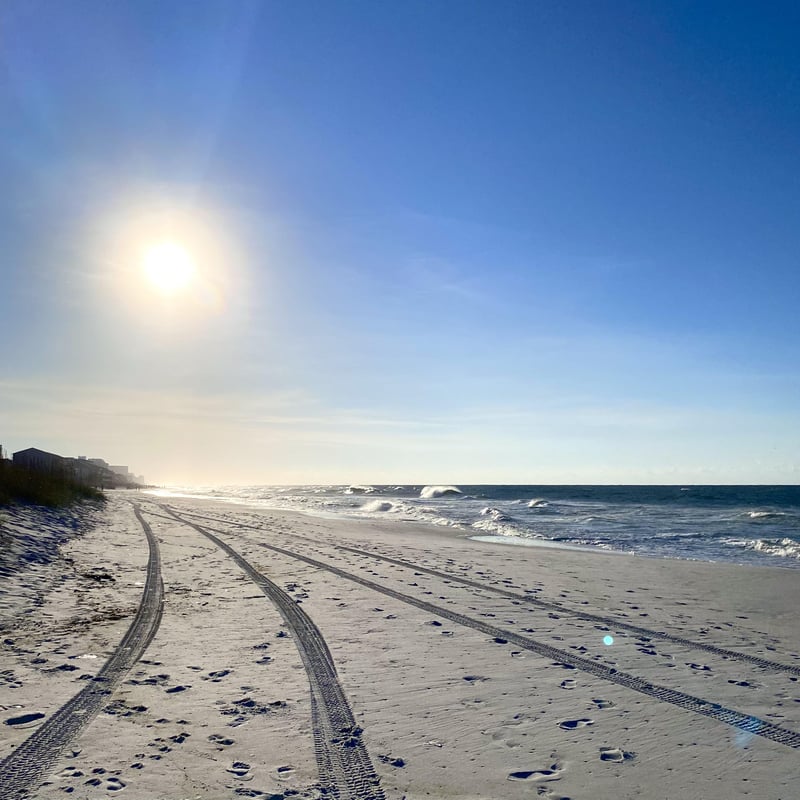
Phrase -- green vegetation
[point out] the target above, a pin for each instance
(52, 489)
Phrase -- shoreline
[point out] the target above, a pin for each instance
(446, 709)
(461, 532)
(740, 525)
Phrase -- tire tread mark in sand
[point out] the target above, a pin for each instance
(21, 771)
(588, 616)
(729, 716)
(551, 606)
(345, 769)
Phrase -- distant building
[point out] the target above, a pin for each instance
(87, 471)
(84, 471)
(38, 460)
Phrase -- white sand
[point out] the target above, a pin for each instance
(457, 713)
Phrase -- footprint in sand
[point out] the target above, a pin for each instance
(70, 772)
(7, 678)
(222, 741)
(109, 783)
(615, 754)
(574, 724)
(569, 683)
(240, 770)
(25, 721)
(121, 709)
(216, 676)
(152, 680)
(505, 738)
(600, 703)
(698, 667)
(553, 773)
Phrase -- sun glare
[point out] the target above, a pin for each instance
(168, 267)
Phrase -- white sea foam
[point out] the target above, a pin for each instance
(763, 532)
(786, 548)
(430, 492)
(766, 514)
(495, 521)
(495, 514)
(377, 505)
(528, 541)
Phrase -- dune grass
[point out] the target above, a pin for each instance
(51, 489)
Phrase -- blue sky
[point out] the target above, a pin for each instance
(438, 241)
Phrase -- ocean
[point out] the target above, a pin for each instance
(758, 525)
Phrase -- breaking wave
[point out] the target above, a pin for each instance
(752, 525)
(495, 513)
(494, 520)
(377, 505)
(430, 492)
(785, 548)
(766, 514)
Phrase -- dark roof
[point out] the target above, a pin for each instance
(35, 451)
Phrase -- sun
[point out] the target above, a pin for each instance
(168, 267)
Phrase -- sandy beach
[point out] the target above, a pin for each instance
(297, 656)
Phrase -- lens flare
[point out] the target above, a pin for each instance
(608, 640)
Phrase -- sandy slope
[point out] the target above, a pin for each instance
(220, 705)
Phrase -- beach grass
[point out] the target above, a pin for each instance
(52, 489)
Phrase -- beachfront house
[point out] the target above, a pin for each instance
(85, 471)
(38, 460)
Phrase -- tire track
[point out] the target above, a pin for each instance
(612, 622)
(729, 716)
(21, 771)
(345, 769)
